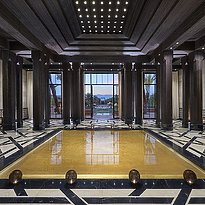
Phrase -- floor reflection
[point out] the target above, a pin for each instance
(102, 148)
(149, 145)
(56, 157)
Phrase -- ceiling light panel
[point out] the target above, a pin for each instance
(102, 16)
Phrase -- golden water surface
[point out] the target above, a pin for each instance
(102, 154)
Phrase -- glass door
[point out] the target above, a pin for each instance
(102, 102)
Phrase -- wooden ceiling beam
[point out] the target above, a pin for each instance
(10, 24)
(102, 59)
(186, 30)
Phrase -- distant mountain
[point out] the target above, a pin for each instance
(104, 97)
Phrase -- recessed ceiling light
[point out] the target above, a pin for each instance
(108, 22)
(81, 21)
(118, 2)
(110, 2)
(83, 26)
(101, 16)
(115, 22)
(78, 9)
(202, 48)
(77, 2)
(120, 26)
(95, 26)
(102, 31)
(109, 10)
(101, 2)
(123, 16)
(116, 16)
(125, 10)
(108, 31)
(85, 2)
(122, 21)
(101, 9)
(88, 16)
(94, 16)
(101, 26)
(93, 2)
(101, 21)
(108, 16)
(90, 31)
(80, 16)
(117, 9)
(177, 43)
(89, 26)
(83, 31)
(96, 31)
(88, 21)
(94, 9)
(114, 26)
(114, 31)
(86, 9)
(120, 31)
(95, 21)
(108, 26)
(126, 2)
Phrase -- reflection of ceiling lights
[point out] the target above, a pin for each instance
(111, 12)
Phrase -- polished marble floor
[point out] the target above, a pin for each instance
(102, 154)
(107, 191)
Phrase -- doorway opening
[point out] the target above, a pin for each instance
(101, 95)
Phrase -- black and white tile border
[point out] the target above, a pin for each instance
(49, 191)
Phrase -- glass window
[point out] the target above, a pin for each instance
(87, 78)
(55, 85)
(149, 96)
(115, 78)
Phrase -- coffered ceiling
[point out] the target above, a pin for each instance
(102, 30)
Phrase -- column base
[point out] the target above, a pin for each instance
(20, 124)
(165, 126)
(66, 121)
(138, 121)
(197, 127)
(76, 121)
(9, 127)
(128, 121)
(39, 127)
(185, 124)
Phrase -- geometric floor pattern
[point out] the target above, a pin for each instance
(57, 191)
(102, 192)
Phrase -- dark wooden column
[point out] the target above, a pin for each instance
(128, 94)
(82, 98)
(158, 116)
(186, 91)
(19, 65)
(76, 104)
(196, 65)
(38, 90)
(9, 90)
(66, 93)
(47, 92)
(166, 90)
(137, 88)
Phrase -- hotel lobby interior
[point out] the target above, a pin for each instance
(102, 102)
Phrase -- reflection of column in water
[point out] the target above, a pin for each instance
(56, 157)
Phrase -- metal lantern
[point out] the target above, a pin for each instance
(189, 176)
(71, 177)
(15, 177)
(134, 176)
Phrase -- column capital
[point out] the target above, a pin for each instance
(196, 56)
